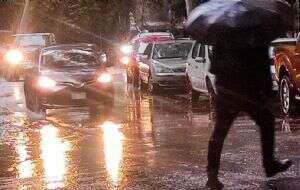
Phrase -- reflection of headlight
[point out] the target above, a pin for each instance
(14, 56)
(125, 60)
(104, 78)
(126, 49)
(46, 83)
(161, 69)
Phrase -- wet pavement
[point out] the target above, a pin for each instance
(142, 142)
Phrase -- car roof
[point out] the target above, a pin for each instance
(174, 41)
(155, 34)
(284, 40)
(156, 38)
(32, 34)
(69, 46)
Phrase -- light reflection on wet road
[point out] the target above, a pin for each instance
(143, 142)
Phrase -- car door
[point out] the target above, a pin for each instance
(192, 65)
(200, 68)
(296, 61)
(144, 63)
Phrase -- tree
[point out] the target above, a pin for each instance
(189, 6)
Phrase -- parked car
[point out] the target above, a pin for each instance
(139, 47)
(287, 66)
(5, 40)
(199, 79)
(23, 51)
(68, 75)
(163, 65)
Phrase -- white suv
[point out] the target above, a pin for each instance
(199, 79)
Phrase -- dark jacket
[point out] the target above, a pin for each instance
(242, 70)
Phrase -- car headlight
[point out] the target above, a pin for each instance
(126, 49)
(46, 83)
(14, 56)
(104, 78)
(125, 60)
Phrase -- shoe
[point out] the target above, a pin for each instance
(274, 167)
(214, 184)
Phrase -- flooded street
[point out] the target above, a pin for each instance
(142, 142)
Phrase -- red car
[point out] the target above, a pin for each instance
(138, 47)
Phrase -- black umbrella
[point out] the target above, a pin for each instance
(240, 22)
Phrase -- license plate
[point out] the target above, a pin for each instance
(78, 95)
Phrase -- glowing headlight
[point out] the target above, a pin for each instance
(14, 56)
(125, 60)
(46, 83)
(126, 49)
(104, 78)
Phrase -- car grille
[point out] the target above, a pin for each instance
(179, 70)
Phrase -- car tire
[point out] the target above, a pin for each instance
(129, 79)
(141, 84)
(152, 87)
(135, 81)
(32, 101)
(287, 100)
(193, 94)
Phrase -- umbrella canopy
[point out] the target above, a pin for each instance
(240, 22)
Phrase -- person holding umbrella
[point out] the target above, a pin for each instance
(240, 31)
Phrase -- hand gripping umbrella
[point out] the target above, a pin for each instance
(240, 22)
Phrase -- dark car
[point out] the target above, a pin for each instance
(68, 76)
(23, 51)
(5, 40)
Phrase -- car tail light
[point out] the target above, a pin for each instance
(104, 78)
(125, 60)
(46, 83)
(14, 56)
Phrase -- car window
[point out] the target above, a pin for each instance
(202, 51)
(148, 50)
(69, 58)
(195, 50)
(32, 40)
(172, 50)
(210, 52)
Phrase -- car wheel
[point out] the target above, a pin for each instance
(286, 96)
(141, 84)
(32, 101)
(193, 94)
(129, 78)
(152, 87)
(135, 81)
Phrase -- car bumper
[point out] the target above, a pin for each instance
(69, 96)
(170, 81)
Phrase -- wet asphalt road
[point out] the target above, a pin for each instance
(142, 142)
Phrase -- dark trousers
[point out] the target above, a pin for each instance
(228, 103)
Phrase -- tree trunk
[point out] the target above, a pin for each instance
(189, 5)
(24, 19)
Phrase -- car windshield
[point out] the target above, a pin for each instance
(32, 40)
(172, 50)
(69, 58)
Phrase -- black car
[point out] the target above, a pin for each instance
(68, 76)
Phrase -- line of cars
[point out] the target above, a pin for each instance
(59, 76)
(158, 61)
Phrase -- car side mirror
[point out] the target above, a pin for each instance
(143, 57)
(200, 59)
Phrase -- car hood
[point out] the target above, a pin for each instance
(75, 76)
(172, 63)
